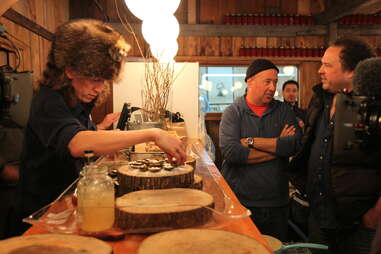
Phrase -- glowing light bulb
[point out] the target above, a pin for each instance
(160, 30)
(143, 9)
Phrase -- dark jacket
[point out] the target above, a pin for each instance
(299, 113)
(354, 189)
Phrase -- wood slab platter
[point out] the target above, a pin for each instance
(54, 244)
(163, 209)
(200, 241)
(132, 179)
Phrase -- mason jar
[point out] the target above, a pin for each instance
(96, 199)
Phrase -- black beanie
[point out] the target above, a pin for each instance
(259, 65)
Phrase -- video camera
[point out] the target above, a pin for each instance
(357, 133)
(16, 91)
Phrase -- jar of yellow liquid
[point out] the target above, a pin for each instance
(96, 199)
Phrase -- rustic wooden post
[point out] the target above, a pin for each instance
(192, 11)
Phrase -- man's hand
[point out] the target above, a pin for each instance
(287, 131)
(108, 120)
(243, 141)
(10, 173)
(300, 123)
(371, 218)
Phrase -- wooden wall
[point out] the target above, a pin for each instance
(206, 49)
(224, 50)
(34, 48)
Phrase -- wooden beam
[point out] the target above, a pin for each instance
(370, 8)
(5, 5)
(192, 11)
(340, 9)
(361, 30)
(23, 21)
(239, 60)
(251, 30)
(241, 31)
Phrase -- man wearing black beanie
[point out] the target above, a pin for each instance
(257, 136)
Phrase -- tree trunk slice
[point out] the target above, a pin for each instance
(54, 244)
(197, 183)
(191, 162)
(156, 210)
(131, 179)
(200, 241)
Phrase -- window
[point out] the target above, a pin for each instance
(220, 86)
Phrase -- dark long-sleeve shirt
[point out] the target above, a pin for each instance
(263, 184)
(47, 166)
(319, 168)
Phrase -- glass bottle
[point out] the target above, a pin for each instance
(96, 199)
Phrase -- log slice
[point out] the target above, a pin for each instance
(133, 179)
(197, 183)
(156, 210)
(200, 241)
(54, 244)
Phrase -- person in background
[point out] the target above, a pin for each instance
(257, 136)
(290, 92)
(86, 56)
(344, 201)
(11, 136)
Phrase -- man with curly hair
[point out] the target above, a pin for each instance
(85, 58)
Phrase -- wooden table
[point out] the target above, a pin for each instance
(245, 226)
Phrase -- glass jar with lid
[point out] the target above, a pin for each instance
(96, 199)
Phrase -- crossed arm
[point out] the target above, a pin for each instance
(265, 147)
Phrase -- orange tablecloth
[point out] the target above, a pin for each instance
(131, 242)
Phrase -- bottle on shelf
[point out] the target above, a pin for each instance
(250, 19)
(244, 19)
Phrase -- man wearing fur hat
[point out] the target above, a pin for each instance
(85, 58)
(257, 136)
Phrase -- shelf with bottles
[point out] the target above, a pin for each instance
(360, 19)
(265, 19)
(281, 52)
